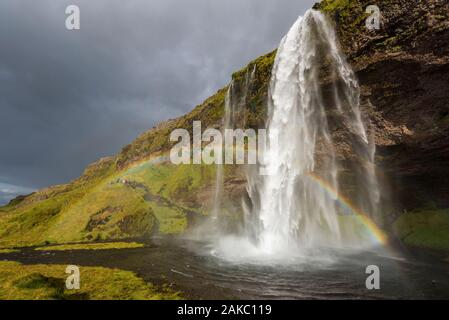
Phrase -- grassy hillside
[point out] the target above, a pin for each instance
(138, 192)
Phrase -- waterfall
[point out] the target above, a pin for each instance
(219, 179)
(292, 205)
(234, 117)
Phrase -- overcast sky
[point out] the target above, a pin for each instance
(68, 98)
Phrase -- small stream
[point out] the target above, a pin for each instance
(190, 268)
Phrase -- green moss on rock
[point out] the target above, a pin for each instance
(424, 229)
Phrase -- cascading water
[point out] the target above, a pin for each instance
(294, 208)
(219, 179)
(297, 204)
(234, 117)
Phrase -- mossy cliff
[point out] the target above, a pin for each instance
(403, 72)
(403, 69)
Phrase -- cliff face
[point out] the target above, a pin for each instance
(403, 73)
(403, 70)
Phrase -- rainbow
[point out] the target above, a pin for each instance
(377, 234)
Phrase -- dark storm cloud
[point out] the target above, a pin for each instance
(70, 97)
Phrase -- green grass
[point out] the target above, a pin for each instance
(109, 209)
(28, 225)
(92, 246)
(47, 282)
(424, 229)
(29, 221)
(174, 189)
(171, 221)
(104, 214)
(173, 182)
(8, 250)
(332, 5)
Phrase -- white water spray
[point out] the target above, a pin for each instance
(290, 208)
(313, 93)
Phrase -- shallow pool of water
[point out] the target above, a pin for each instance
(193, 268)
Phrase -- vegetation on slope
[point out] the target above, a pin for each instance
(8, 250)
(27, 221)
(424, 229)
(47, 282)
(405, 26)
(92, 246)
(137, 193)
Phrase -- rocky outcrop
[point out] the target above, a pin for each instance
(403, 69)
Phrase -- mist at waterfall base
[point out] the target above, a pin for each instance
(298, 213)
